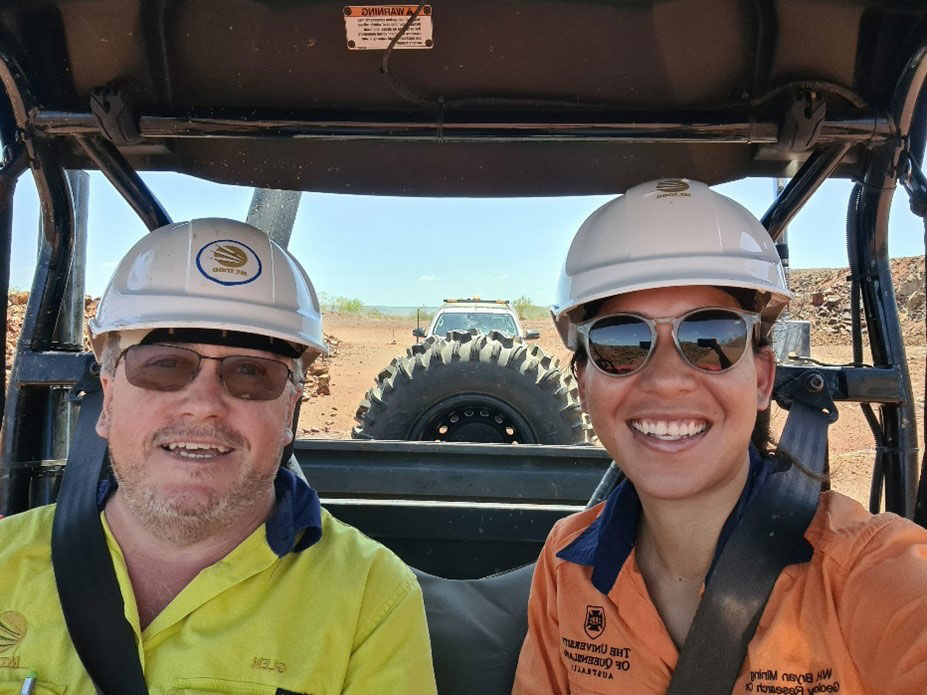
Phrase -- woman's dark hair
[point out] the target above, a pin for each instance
(747, 300)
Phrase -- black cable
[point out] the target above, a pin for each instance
(878, 468)
(924, 410)
(915, 183)
(421, 98)
(407, 93)
(825, 86)
(852, 233)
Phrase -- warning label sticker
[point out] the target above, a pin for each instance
(373, 27)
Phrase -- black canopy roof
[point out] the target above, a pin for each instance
(492, 61)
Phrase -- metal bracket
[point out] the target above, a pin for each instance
(115, 115)
(88, 383)
(811, 389)
(15, 160)
(11, 152)
(914, 181)
(802, 123)
(25, 138)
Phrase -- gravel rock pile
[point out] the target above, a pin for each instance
(823, 298)
(318, 379)
(16, 313)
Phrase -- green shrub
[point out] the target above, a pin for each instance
(343, 305)
(423, 315)
(526, 309)
(346, 305)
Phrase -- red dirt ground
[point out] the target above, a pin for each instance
(366, 346)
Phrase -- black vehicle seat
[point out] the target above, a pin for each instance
(477, 627)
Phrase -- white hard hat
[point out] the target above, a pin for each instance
(210, 274)
(667, 233)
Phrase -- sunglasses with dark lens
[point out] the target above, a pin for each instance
(711, 340)
(171, 368)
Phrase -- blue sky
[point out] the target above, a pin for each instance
(416, 251)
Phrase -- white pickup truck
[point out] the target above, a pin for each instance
(472, 313)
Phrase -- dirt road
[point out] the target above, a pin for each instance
(366, 346)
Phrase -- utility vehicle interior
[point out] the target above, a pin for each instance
(511, 98)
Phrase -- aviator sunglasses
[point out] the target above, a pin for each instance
(710, 340)
(171, 368)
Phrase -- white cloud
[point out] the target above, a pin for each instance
(428, 278)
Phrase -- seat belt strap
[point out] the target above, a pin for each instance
(759, 547)
(91, 601)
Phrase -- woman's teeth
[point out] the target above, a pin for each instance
(669, 430)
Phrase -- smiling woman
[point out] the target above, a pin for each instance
(670, 338)
(678, 430)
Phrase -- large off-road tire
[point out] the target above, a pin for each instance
(471, 387)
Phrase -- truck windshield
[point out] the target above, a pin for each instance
(484, 323)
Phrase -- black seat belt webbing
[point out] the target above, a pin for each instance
(758, 549)
(90, 598)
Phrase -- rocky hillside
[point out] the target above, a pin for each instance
(823, 298)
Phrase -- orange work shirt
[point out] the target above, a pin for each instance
(847, 615)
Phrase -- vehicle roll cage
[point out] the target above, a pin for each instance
(47, 360)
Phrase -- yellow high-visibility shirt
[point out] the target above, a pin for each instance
(342, 616)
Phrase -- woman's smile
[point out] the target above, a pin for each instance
(669, 430)
(678, 432)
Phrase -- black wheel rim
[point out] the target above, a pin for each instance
(472, 417)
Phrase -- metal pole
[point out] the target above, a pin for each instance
(9, 175)
(800, 187)
(273, 211)
(591, 125)
(69, 331)
(125, 180)
(782, 243)
(60, 415)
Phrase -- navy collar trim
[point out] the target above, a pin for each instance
(607, 542)
(297, 509)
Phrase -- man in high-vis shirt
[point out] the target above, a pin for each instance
(234, 579)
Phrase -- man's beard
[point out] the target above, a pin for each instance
(188, 517)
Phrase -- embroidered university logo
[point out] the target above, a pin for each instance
(12, 629)
(595, 621)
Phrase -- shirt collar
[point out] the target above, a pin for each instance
(297, 508)
(607, 542)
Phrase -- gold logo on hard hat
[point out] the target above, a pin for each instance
(228, 262)
(672, 186)
(229, 256)
(12, 629)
